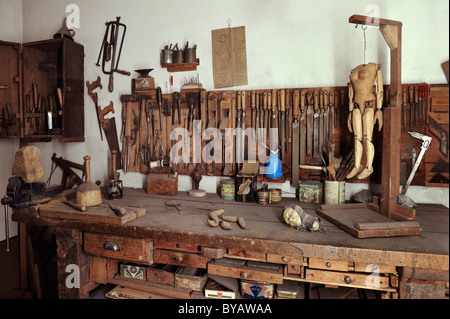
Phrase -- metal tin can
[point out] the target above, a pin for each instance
(167, 56)
(263, 195)
(227, 189)
(310, 192)
(275, 195)
(178, 56)
(334, 192)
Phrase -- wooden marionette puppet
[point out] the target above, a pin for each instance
(365, 110)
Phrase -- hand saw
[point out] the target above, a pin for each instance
(109, 127)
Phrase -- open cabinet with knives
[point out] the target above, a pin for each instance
(41, 90)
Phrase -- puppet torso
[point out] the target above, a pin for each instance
(362, 79)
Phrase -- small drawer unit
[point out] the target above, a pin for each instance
(248, 270)
(137, 250)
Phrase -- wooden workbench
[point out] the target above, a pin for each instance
(416, 266)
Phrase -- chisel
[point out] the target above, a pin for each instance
(238, 152)
(336, 109)
(127, 134)
(321, 119)
(302, 126)
(253, 106)
(273, 121)
(288, 121)
(425, 100)
(269, 108)
(295, 138)
(416, 103)
(316, 120)
(404, 101)
(266, 112)
(159, 100)
(411, 102)
(243, 102)
(421, 96)
(326, 103)
(331, 119)
(309, 132)
(282, 127)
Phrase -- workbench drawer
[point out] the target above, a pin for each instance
(162, 274)
(117, 247)
(246, 254)
(175, 245)
(328, 264)
(178, 258)
(369, 281)
(191, 278)
(269, 273)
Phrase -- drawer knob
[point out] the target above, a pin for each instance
(347, 280)
(243, 275)
(283, 259)
(110, 245)
(177, 259)
(328, 264)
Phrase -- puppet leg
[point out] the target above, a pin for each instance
(357, 130)
(368, 124)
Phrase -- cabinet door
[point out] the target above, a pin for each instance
(72, 68)
(9, 90)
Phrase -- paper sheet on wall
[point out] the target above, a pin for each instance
(229, 57)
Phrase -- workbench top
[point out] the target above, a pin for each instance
(266, 231)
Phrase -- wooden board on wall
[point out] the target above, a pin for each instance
(437, 155)
(342, 138)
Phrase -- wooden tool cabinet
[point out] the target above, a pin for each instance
(178, 251)
(31, 74)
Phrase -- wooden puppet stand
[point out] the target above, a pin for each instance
(390, 179)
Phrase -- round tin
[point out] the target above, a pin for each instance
(263, 195)
(227, 189)
(275, 194)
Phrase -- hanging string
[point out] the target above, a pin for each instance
(364, 27)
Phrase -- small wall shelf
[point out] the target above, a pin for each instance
(181, 67)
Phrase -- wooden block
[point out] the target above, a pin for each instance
(97, 214)
(343, 206)
(162, 184)
(209, 252)
(387, 225)
(346, 220)
(27, 164)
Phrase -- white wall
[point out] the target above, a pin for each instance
(290, 43)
